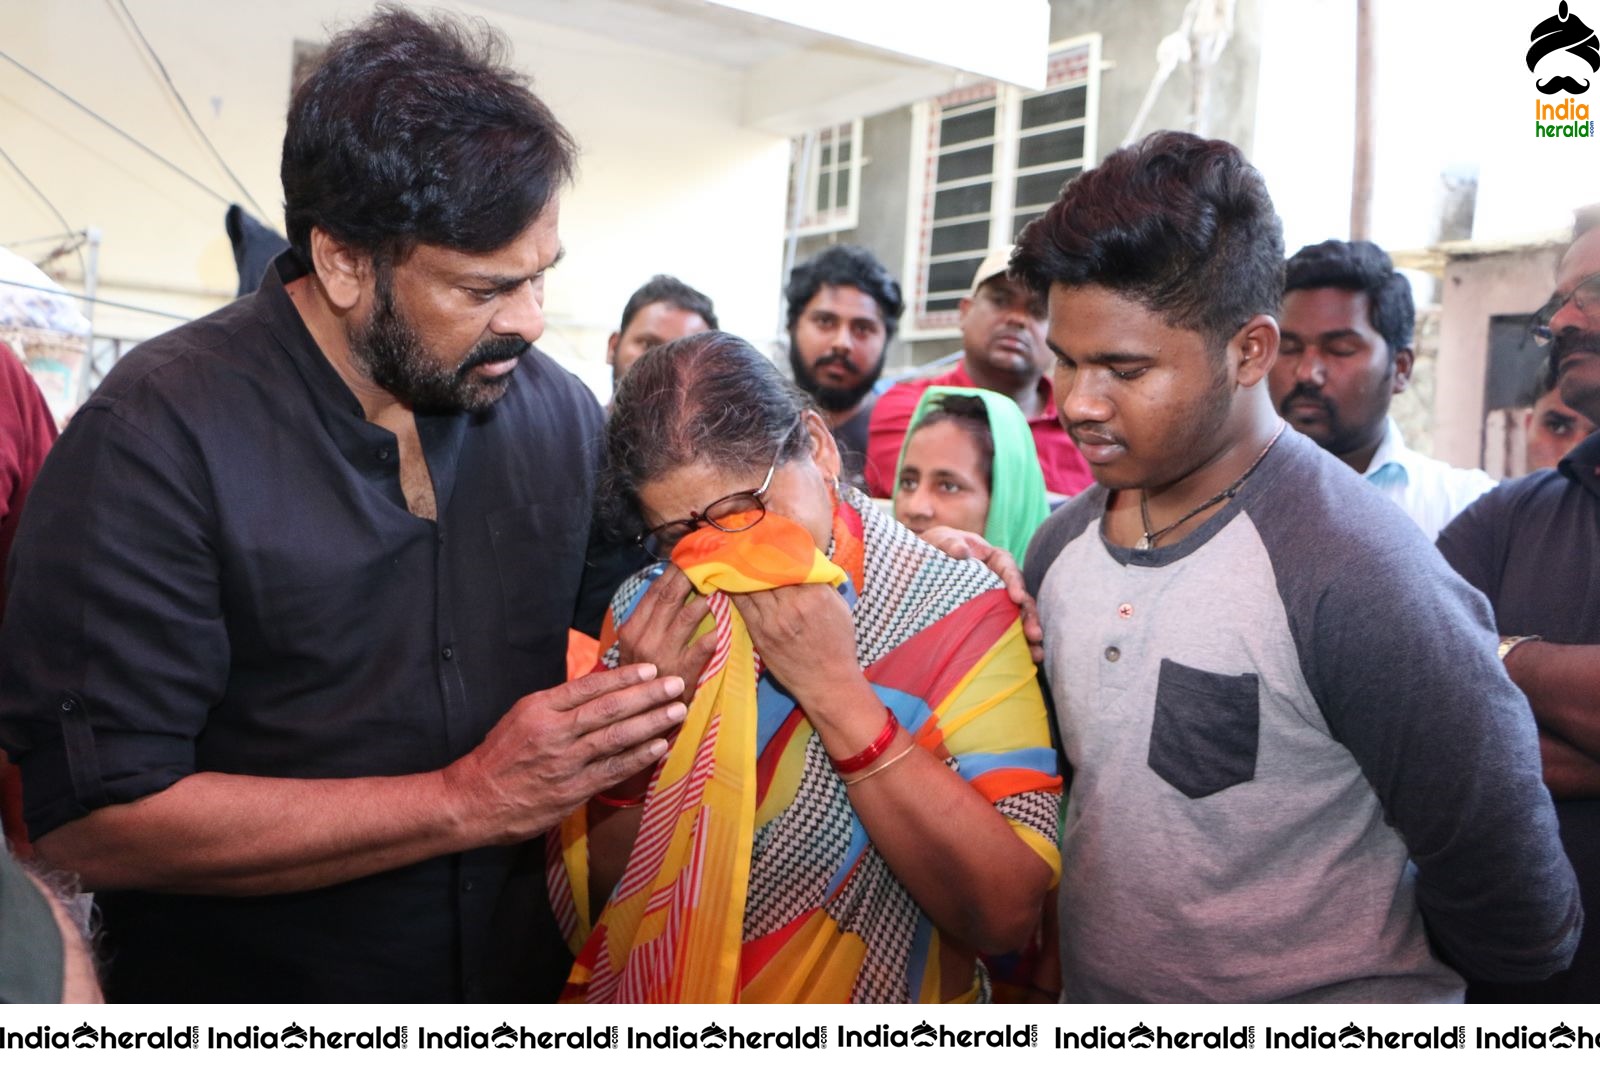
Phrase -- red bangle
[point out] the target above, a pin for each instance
(618, 802)
(866, 756)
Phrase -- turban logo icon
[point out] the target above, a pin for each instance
(1564, 32)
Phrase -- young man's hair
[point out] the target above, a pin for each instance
(1359, 267)
(412, 131)
(665, 289)
(849, 265)
(1176, 223)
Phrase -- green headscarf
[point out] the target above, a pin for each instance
(1017, 503)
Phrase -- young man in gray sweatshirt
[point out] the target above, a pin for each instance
(1299, 772)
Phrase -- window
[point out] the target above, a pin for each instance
(825, 171)
(994, 158)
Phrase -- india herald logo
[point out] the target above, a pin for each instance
(1563, 34)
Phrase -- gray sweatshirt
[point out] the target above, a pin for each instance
(1295, 757)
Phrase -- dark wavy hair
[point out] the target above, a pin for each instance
(706, 398)
(845, 265)
(414, 131)
(971, 415)
(1359, 267)
(665, 289)
(1177, 223)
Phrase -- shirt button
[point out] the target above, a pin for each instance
(1113, 653)
(68, 705)
(383, 455)
(1125, 611)
(468, 886)
(447, 652)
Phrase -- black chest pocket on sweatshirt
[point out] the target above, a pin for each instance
(1206, 729)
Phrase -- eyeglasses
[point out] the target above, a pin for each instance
(733, 513)
(1585, 296)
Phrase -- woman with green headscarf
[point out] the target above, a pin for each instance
(969, 462)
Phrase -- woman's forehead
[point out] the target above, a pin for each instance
(675, 493)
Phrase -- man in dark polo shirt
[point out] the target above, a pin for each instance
(283, 663)
(1532, 546)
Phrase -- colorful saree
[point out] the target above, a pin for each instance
(751, 878)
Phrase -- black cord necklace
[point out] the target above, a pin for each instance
(1148, 541)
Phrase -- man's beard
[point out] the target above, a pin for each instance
(833, 398)
(393, 354)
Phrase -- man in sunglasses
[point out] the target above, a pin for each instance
(1532, 546)
(1347, 317)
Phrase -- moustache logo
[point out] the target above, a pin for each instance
(1562, 84)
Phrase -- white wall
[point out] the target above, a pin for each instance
(668, 180)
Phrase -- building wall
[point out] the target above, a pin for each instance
(669, 179)
(1474, 290)
(1130, 34)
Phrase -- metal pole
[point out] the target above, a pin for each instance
(1366, 92)
(91, 286)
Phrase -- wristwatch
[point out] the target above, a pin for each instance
(1508, 643)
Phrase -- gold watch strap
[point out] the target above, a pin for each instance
(1508, 643)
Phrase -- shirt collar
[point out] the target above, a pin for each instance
(369, 448)
(276, 309)
(1392, 455)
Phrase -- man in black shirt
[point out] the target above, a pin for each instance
(1532, 546)
(293, 563)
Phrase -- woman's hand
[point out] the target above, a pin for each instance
(806, 638)
(661, 631)
(961, 544)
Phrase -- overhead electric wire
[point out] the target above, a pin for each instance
(98, 300)
(162, 67)
(119, 131)
(83, 264)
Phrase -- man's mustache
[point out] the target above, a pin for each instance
(495, 350)
(1569, 341)
(1563, 84)
(841, 358)
(1305, 391)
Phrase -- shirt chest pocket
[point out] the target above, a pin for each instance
(1206, 729)
(539, 552)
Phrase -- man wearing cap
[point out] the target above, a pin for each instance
(1003, 350)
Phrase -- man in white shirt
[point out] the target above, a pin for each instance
(1347, 318)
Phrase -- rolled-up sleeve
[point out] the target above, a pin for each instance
(114, 646)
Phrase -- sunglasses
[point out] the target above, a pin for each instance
(1584, 296)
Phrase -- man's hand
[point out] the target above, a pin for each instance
(554, 750)
(961, 544)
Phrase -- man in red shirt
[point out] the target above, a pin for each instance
(27, 431)
(1003, 350)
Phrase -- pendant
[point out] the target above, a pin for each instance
(1145, 544)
